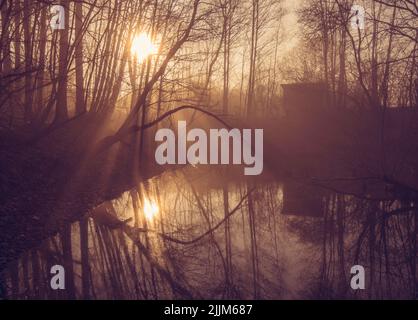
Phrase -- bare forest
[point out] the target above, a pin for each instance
(87, 89)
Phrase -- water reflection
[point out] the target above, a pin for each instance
(150, 209)
(181, 236)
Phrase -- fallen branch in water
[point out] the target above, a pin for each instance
(211, 230)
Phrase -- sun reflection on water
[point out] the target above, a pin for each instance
(150, 209)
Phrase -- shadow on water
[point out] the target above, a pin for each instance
(196, 233)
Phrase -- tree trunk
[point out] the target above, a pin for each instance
(79, 77)
(61, 113)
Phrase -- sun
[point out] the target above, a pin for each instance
(142, 46)
(150, 209)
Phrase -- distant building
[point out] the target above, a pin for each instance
(302, 200)
(304, 97)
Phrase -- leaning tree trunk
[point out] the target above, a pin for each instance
(48, 184)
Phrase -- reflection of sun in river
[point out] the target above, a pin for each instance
(150, 209)
(142, 46)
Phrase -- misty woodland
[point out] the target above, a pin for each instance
(299, 163)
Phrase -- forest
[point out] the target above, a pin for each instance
(330, 89)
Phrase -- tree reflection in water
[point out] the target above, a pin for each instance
(247, 239)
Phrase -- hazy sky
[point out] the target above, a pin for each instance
(290, 24)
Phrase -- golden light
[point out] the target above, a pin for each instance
(150, 209)
(142, 46)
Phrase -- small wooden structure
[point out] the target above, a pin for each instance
(303, 200)
(304, 97)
